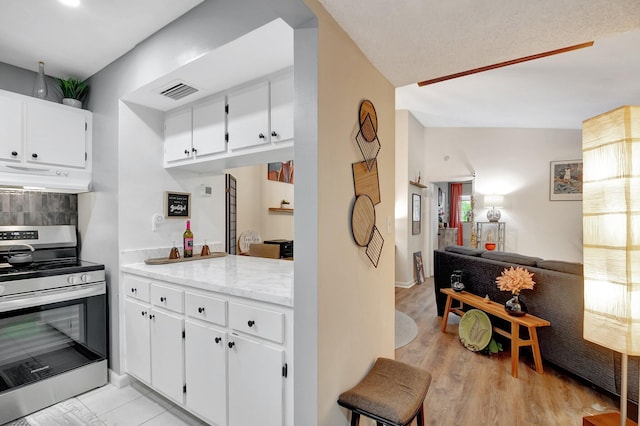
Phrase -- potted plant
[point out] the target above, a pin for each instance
(74, 91)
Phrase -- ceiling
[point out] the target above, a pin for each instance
(415, 40)
(78, 42)
(407, 41)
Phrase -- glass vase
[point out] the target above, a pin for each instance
(515, 306)
(40, 85)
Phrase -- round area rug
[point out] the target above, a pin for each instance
(406, 329)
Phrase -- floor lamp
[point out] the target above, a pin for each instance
(611, 240)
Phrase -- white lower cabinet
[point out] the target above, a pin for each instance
(154, 347)
(222, 358)
(206, 372)
(138, 339)
(255, 383)
(167, 354)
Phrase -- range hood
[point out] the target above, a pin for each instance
(44, 179)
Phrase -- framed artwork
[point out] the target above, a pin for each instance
(418, 267)
(565, 180)
(416, 214)
(281, 172)
(177, 205)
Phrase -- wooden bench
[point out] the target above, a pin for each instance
(492, 308)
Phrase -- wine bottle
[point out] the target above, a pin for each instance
(187, 238)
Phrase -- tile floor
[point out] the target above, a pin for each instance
(109, 406)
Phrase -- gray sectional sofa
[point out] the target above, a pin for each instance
(557, 297)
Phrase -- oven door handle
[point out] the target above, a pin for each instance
(47, 297)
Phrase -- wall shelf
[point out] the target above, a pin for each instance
(418, 184)
(280, 210)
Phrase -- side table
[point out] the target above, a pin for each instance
(530, 322)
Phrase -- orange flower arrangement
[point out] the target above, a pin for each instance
(515, 280)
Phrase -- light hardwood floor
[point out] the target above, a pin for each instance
(473, 389)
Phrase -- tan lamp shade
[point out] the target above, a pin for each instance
(611, 229)
(493, 200)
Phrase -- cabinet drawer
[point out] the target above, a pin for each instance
(257, 321)
(206, 308)
(137, 288)
(167, 298)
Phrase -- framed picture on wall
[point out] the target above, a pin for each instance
(416, 214)
(418, 267)
(177, 205)
(565, 181)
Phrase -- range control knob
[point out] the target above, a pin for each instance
(71, 279)
(84, 278)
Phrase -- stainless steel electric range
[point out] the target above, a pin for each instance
(53, 319)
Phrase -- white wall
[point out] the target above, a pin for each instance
(516, 163)
(143, 182)
(410, 151)
(209, 25)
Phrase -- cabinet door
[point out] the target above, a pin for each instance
(248, 118)
(167, 354)
(10, 129)
(55, 135)
(177, 136)
(282, 96)
(137, 340)
(206, 372)
(209, 127)
(256, 387)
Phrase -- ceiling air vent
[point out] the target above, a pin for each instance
(178, 90)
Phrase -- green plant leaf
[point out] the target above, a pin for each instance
(73, 88)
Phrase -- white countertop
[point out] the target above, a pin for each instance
(268, 280)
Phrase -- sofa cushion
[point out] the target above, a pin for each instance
(562, 266)
(464, 250)
(504, 256)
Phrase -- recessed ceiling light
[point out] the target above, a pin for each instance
(70, 3)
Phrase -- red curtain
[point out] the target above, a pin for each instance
(455, 220)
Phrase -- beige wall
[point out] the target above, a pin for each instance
(355, 299)
(255, 195)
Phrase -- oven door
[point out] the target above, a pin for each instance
(47, 333)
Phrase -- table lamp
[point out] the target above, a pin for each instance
(611, 239)
(493, 201)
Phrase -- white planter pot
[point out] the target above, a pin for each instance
(72, 102)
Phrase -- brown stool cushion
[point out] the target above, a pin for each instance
(392, 390)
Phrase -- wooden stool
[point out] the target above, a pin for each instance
(392, 393)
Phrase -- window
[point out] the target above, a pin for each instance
(465, 207)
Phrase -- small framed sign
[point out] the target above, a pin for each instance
(416, 214)
(177, 205)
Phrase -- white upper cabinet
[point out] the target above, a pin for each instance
(44, 144)
(282, 95)
(248, 117)
(10, 129)
(257, 127)
(196, 131)
(177, 136)
(209, 127)
(33, 131)
(55, 136)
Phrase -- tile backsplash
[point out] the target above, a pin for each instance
(38, 208)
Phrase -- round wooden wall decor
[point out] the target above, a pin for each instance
(363, 220)
(367, 108)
